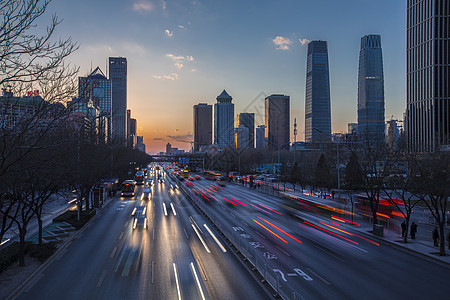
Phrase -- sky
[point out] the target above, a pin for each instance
(184, 52)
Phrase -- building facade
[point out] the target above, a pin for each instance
(260, 137)
(224, 121)
(428, 75)
(277, 116)
(118, 77)
(317, 100)
(248, 120)
(202, 125)
(371, 123)
(242, 136)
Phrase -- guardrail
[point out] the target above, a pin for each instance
(259, 262)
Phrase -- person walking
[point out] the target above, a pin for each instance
(403, 228)
(413, 230)
(436, 236)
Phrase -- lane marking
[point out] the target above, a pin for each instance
(102, 277)
(198, 281)
(282, 250)
(164, 208)
(292, 274)
(153, 271)
(176, 280)
(327, 252)
(185, 233)
(318, 276)
(303, 274)
(214, 237)
(121, 235)
(192, 219)
(201, 239)
(281, 274)
(260, 235)
(113, 253)
(173, 209)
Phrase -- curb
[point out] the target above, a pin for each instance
(53, 257)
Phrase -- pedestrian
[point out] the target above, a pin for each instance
(436, 236)
(403, 228)
(413, 230)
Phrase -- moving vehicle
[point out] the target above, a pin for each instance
(139, 177)
(185, 173)
(140, 217)
(146, 193)
(128, 188)
(221, 181)
(211, 175)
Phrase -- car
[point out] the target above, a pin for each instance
(198, 177)
(140, 217)
(161, 180)
(146, 194)
(175, 186)
(149, 182)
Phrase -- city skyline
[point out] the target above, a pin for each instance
(176, 58)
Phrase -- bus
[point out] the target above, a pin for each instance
(185, 173)
(128, 188)
(139, 178)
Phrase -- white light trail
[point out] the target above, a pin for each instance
(214, 237)
(201, 239)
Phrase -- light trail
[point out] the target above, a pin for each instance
(214, 237)
(270, 209)
(198, 281)
(201, 239)
(292, 237)
(173, 209)
(176, 280)
(164, 208)
(270, 231)
(261, 209)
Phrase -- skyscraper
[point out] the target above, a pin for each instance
(371, 125)
(242, 134)
(260, 140)
(317, 103)
(248, 120)
(277, 121)
(223, 121)
(118, 77)
(97, 88)
(427, 71)
(202, 125)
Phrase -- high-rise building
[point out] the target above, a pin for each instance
(118, 77)
(202, 125)
(224, 121)
(317, 103)
(277, 121)
(242, 134)
(260, 137)
(97, 88)
(133, 126)
(248, 120)
(427, 71)
(371, 124)
(352, 128)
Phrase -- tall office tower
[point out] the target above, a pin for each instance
(260, 140)
(242, 134)
(97, 88)
(202, 125)
(277, 121)
(317, 103)
(248, 120)
(427, 71)
(118, 77)
(133, 126)
(371, 125)
(223, 121)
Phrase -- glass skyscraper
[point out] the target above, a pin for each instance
(202, 125)
(317, 102)
(371, 125)
(118, 77)
(428, 75)
(248, 120)
(224, 121)
(277, 115)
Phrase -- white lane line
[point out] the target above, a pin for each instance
(153, 271)
(164, 208)
(331, 254)
(198, 281)
(113, 253)
(318, 276)
(192, 219)
(201, 239)
(214, 237)
(185, 232)
(281, 274)
(282, 250)
(121, 235)
(303, 274)
(176, 280)
(173, 209)
(102, 277)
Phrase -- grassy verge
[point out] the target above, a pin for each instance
(71, 217)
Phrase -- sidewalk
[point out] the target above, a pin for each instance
(422, 244)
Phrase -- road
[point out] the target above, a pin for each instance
(322, 258)
(175, 258)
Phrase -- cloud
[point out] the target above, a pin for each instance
(185, 138)
(193, 70)
(143, 6)
(304, 41)
(282, 43)
(164, 5)
(181, 26)
(190, 58)
(174, 57)
(168, 32)
(171, 76)
(158, 139)
(178, 65)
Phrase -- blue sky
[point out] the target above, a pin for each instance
(183, 52)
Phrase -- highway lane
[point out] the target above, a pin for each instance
(340, 265)
(110, 260)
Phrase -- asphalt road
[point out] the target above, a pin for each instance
(175, 258)
(320, 257)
